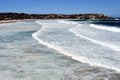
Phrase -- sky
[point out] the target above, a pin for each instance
(108, 7)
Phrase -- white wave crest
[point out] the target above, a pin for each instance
(38, 22)
(113, 47)
(113, 29)
(67, 22)
(55, 47)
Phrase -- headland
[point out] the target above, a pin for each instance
(18, 16)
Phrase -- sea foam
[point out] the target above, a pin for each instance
(114, 47)
(61, 39)
(66, 22)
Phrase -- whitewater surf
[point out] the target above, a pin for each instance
(81, 42)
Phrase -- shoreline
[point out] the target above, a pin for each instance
(13, 21)
(8, 21)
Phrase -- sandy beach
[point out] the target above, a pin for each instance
(8, 21)
(13, 21)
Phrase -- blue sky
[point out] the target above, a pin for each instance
(108, 7)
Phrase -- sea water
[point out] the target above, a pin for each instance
(23, 58)
(86, 42)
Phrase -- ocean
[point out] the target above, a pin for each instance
(60, 50)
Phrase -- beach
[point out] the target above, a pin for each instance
(9, 21)
(24, 58)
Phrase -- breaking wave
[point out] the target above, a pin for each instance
(64, 37)
(114, 47)
(113, 29)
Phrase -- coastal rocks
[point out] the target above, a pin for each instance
(16, 16)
